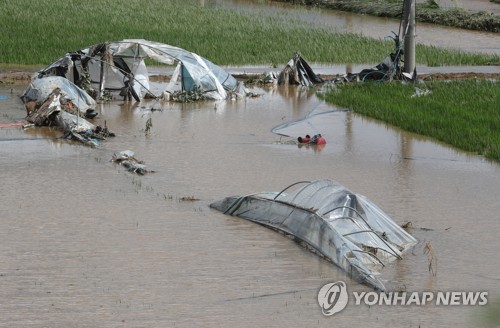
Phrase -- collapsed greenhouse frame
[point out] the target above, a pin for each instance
(121, 67)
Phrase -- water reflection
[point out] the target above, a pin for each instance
(85, 243)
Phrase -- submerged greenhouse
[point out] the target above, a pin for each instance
(344, 227)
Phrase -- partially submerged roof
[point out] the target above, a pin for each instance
(39, 89)
(120, 66)
(298, 71)
(65, 108)
(344, 227)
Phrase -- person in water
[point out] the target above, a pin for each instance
(306, 139)
(318, 140)
(321, 140)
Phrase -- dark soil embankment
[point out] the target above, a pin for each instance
(428, 12)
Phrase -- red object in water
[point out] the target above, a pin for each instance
(11, 124)
(320, 141)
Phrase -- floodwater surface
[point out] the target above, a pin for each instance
(84, 243)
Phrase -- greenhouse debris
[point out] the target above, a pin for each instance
(119, 69)
(58, 110)
(127, 159)
(339, 225)
(298, 71)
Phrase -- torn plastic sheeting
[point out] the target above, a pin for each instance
(73, 123)
(127, 159)
(40, 89)
(125, 59)
(298, 71)
(53, 112)
(321, 119)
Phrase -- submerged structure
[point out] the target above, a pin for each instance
(40, 89)
(56, 101)
(298, 71)
(64, 93)
(121, 67)
(344, 227)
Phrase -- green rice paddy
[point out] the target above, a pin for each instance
(38, 32)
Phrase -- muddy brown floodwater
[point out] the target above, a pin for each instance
(83, 243)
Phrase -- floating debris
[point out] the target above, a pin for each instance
(126, 159)
(188, 199)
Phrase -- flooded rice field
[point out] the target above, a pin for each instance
(85, 243)
(379, 28)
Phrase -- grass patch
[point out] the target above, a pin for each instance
(38, 32)
(463, 114)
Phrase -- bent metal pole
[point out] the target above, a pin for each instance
(409, 35)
